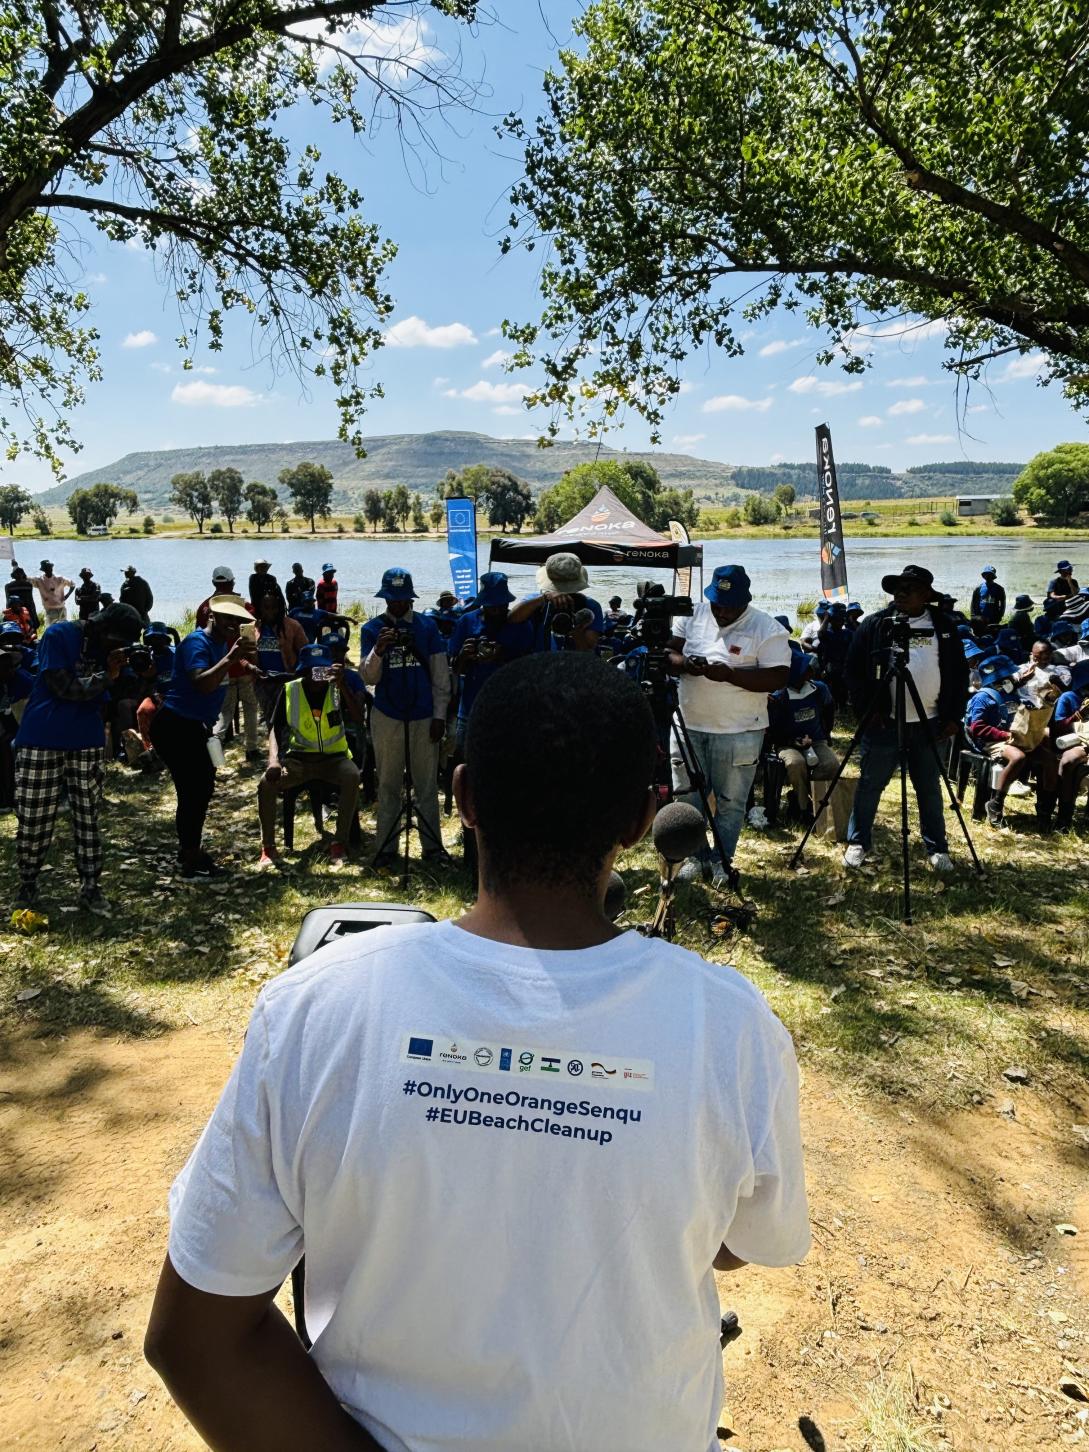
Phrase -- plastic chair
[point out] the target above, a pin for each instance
(973, 766)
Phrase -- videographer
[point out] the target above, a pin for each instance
(729, 657)
(483, 640)
(564, 617)
(940, 672)
(461, 1304)
(61, 745)
(406, 666)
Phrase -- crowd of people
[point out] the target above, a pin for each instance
(277, 669)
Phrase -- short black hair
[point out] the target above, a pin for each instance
(560, 752)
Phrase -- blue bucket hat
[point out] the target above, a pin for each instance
(1042, 626)
(11, 627)
(975, 652)
(998, 668)
(1079, 675)
(494, 589)
(312, 655)
(823, 608)
(1064, 630)
(800, 662)
(1064, 565)
(1085, 630)
(783, 620)
(730, 585)
(854, 608)
(838, 609)
(1024, 602)
(396, 585)
(964, 630)
(156, 630)
(988, 570)
(324, 568)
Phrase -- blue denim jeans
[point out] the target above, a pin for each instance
(878, 760)
(728, 761)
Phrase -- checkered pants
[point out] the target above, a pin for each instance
(39, 773)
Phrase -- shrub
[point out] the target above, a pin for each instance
(759, 510)
(340, 527)
(806, 609)
(149, 524)
(1004, 512)
(871, 520)
(948, 518)
(913, 523)
(41, 522)
(732, 518)
(215, 528)
(359, 525)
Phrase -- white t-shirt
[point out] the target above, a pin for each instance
(925, 667)
(510, 1170)
(753, 640)
(810, 632)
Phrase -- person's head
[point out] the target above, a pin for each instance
(998, 672)
(494, 597)
(822, 609)
(335, 642)
(227, 619)
(260, 567)
(784, 621)
(729, 593)
(12, 642)
(222, 580)
(271, 609)
(1079, 677)
(1041, 653)
(327, 572)
(310, 657)
(855, 612)
(1024, 602)
(47, 568)
(396, 590)
(296, 569)
(837, 615)
(447, 600)
(114, 626)
(912, 590)
(802, 666)
(129, 571)
(18, 573)
(989, 573)
(1064, 568)
(1064, 632)
(562, 574)
(615, 602)
(589, 625)
(589, 733)
(157, 637)
(86, 573)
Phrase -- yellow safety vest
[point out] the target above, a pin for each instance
(310, 732)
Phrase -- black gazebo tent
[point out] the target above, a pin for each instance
(604, 533)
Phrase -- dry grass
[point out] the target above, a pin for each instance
(889, 1416)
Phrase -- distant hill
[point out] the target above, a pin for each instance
(418, 460)
(877, 481)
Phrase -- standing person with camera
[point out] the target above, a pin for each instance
(729, 657)
(940, 672)
(483, 640)
(61, 744)
(563, 616)
(406, 665)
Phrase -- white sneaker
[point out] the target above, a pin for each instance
(691, 870)
(941, 862)
(855, 855)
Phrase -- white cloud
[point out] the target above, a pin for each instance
(162, 368)
(206, 368)
(413, 332)
(686, 387)
(825, 388)
(930, 439)
(396, 46)
(735, 403)
(979, 408)
(780, 345)
(497, 359)
(99, 279)
(215, 395)
(506, 409)
(440, 382)
(143, 339)
(918, 380)
(485, 392)
(906, 405)
(496, 333)
(778, 459)
(870, 421)
(688, 441)
(1027, 366)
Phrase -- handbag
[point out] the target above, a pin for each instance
(1029, 725)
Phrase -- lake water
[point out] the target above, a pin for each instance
(783, 572)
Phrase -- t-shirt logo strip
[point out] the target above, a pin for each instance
(559, 1065)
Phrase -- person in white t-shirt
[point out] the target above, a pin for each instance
(514, 1148)
(729, 657)
(54, 590)
(940, 672)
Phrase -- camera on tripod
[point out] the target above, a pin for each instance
(899, 632)
(654, 613)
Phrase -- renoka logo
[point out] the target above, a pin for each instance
(453, 1055)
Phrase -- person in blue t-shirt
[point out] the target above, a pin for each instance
(406, 667)
(988, 599)
(561, 596)
(800, 719)
(61, 742)
(183, 725)
(1070, 712)
(988, 721)
(483, 640)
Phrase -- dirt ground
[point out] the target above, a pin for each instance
(939, 1308)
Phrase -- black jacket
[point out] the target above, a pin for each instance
(996, 599)
(869, 655)
(137, 592)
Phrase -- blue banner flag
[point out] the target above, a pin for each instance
(461, 545)
(833, 558)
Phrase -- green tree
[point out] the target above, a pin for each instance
(400, 505)
(1004, 512)
(100, 504)
(508, 499)
(678, 504)
(1055, 484)
(226, 487)
(14, 503)
(758, 509)
(419, 515)
(311, 489)
(164, 125)
(785, 495)
(854, 162)
(579, 485)
(390, 520)
(436, 515)
(468, 483)
(149, 524)
(262, 502)
(191, 493)
(373, 508)
(41, 522)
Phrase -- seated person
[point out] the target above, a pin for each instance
(1043, 673)
(988, 720)
(800, 720)
(1021, 620)
(1070, 712)
(810, 631)
(855, 614)
(1065, 647)
(1008, 643)
(308, 742)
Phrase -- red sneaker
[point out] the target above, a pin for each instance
(270, 857)
(338, 856)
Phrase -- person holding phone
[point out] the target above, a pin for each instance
(309, 742)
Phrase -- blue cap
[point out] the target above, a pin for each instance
(334, 634)
(997, 668)
(800, 663)
(1079, 675)
(396, 585)
(783, 620)
(974, 651)
(1064, 630)
(11, 627)
(312, 655)
(823, 607)
(156, 628)
(1007, 640)
(494, 589)
(988, 570)
(1024, 602)
(327, 567)
(730, 585)
(1064, 565)
(855, 608)
(964, 630)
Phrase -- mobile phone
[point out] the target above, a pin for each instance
(321, 673)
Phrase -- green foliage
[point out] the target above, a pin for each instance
(634, 482)
(340, 527)
(853, 162)
(100, 504)
(419, 515)
(193, 496)
(14, 503)
(373, 508)
(359, 524)
(948, 518)
(311, 490)
(758, 509)
(732, 518)
(785, 496)
(165, 126)
(1055, 484)
(436, 515)
(226, 487)
(283, 520)
(216, 528)
(1005, 513)
(149, 524)
(397, 506)
(506, 499)
(262, 502)
(41, 522)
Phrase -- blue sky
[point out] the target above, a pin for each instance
(442, 368)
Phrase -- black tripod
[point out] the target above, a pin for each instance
(407, 816)
(897, 671)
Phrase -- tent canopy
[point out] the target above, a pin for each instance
(604, 533)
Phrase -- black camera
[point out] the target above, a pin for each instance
(563, 622)
(654, 610)
(138, 657)
(486, 650)
(899, 632)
